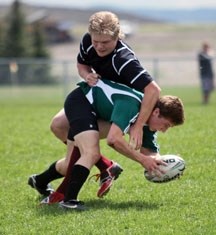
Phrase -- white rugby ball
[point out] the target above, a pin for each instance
(174, 169)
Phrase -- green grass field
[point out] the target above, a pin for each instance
(133, 206)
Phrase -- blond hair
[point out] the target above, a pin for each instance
(106, 23)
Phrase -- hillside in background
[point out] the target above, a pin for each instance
(181, 16)
(135, 15)
(77, 16)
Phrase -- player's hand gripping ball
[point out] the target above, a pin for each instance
(173, 170)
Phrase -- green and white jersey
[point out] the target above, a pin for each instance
(114, 102)
(119, 104)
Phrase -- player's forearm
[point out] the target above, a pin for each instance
(83, 70)
(121, 146)
(152, 93)
(147, 161)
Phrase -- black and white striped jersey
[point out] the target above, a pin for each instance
(120, 66)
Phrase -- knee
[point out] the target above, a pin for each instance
(61, 166)
(95, 155)
(112, 140)
(90, 157)
(59, 123)
(55, 124)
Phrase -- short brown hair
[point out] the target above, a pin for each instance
(105, 22)
(172, 108)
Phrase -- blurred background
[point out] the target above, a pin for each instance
(39, 40)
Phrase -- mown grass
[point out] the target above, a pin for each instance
(134, 206)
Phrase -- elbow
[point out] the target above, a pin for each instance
(153, 89)
(156, 89)
(112, 141)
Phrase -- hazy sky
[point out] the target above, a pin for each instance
(125, 4)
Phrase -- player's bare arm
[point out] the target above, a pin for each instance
(152, 93)
(116, 140)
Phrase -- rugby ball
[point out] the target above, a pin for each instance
(173, 170)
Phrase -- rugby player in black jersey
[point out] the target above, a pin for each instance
(103, 53)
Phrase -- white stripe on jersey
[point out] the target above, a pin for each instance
(109, 91)
(89, 48)
(125, 65)
(126, 130)
(126, 46)
(113, 64)
(133, 80)
(89, 96)
(132, 59)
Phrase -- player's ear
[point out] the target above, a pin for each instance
(156, 112)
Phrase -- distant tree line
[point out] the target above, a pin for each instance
(21, 40)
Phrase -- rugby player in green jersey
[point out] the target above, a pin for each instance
(119, 105)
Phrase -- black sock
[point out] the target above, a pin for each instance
(47, 176)
(78, 176)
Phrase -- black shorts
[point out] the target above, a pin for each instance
(80, 113)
